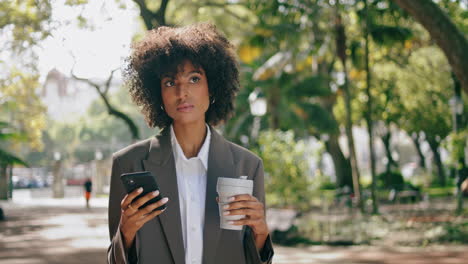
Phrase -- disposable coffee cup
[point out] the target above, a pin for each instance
(226, 188)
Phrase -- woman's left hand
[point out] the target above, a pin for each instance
(254, 211)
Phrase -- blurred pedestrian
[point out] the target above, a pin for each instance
(88, 187)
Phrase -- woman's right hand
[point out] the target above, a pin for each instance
(132, 218)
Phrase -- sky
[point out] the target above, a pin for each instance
(97, 51)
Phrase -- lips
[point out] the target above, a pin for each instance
(185, 107)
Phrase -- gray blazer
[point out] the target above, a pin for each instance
(160, 240)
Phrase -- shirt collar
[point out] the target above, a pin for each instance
(202, 154)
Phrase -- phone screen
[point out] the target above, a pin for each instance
(147, 181)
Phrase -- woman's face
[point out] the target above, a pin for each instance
(186, 96)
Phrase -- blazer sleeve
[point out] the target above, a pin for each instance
(252, 255)
(116, 253)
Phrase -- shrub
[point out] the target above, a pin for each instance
(287, 183)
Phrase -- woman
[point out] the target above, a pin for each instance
(185, 80)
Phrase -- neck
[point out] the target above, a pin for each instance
(190, 137)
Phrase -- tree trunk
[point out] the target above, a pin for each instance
(391, 163)
(375, 209)
(434, 145)
(274, 98)
(417, 145)
(344, 176)
(3, 182)
(458, 126)
(444, 32)
(150, 18)
(341, 52)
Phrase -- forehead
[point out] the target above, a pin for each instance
(184, 67)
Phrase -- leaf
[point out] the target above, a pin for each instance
(13, 136)
(318, 118)
(389, 35)
(316, 85)
(8, 158)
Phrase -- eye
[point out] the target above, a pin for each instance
(194, 79)
(169, 83)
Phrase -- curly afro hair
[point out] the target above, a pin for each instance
(162, 50)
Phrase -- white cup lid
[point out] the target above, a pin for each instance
(237, 182)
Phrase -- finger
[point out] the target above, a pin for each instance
(149, 209)
(150, 216)
(142, 200)
(129, 198)
(249, 213)
(242, 197)
(129, 211)
(245, 221)
(243, 204)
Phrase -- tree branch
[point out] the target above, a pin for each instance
(110, 108)
(161, 13)
(145, 13)
(108, 82)
(444, 32)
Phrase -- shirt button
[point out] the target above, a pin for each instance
(193, 228)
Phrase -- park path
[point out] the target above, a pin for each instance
(52, 231)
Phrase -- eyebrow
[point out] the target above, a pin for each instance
(195, 71)
(171, 76)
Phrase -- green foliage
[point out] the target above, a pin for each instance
(6, 134)
(425, 86)
(391, 180)
(389, 35)
(434, 192)
(21, 104)
(24, 23)
(456, 144)
(456, 233)
(287, 182)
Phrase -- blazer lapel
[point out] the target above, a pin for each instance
(160, 162)
(220, 164)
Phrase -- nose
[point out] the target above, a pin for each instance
(182, 90)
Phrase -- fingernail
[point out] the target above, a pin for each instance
(164, 200)
(226, 213)
(226, 206)
(231, 222)
(139, 189)
(155, 193)
(232, 199)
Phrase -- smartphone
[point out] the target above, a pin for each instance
(147, 181)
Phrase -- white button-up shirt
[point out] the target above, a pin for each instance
(191, 182)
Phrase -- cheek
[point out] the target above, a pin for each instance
(166, 96)
(206, 99)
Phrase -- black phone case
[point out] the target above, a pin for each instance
(147, 181)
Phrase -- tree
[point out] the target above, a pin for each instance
(103, 90)
(340, 39)
(444, 32)
(291, 58)
(369, 119)
(425, 88)
(7, 158)
(22, 26)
